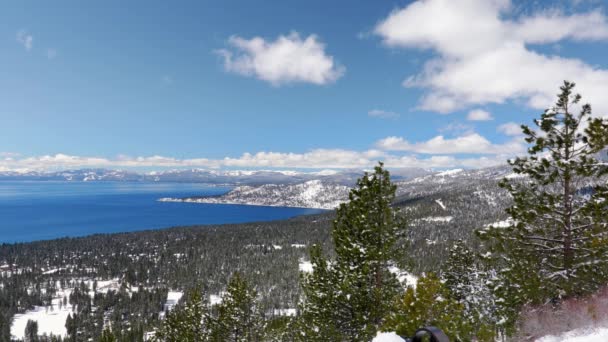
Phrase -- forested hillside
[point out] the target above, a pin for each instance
(438, 208)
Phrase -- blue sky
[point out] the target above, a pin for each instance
(287, 84)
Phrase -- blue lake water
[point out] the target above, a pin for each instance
(34, 210)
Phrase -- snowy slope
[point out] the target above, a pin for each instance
(579, 335)
(310, 194)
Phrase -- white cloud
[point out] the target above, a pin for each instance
(479, 115)
(471, 143)
(510, 129)
(288, 59)
(382, 114)
(314, 159)
(25, 39)
(483, 57)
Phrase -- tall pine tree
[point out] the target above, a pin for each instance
(470, 285)
(557, 244)
(428, 304)
(185, 323)
(348, 299)
(237, 317)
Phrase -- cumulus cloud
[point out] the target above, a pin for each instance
(479, 115)
(313, 159)
(382, 114)
(25, 39)
(510, 129)
(288, 59)
(485, 57)
(471, 143)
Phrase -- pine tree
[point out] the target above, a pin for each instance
(107, 336)
(31, 331)
(348, 299)
(429, 303)
(557, 244)
(470, 285)
(185, 323)
(237, 318)
(319, 310)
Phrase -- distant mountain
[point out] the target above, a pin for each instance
(83, 175)
(328, 194)
(309, 194)
(223, 177)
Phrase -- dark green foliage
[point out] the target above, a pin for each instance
(185, 323)
(107, 336)
(349, 298)
(237, 317)
(557, 244)
(31, 331)
(468, 284)
(428, 304)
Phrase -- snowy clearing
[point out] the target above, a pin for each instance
(173, 298)
(51, 319)
(437, 219)
(215, 299)
(387, 337)
(284, 312)
(579, 335)
(305, 266)
(438, 201)
(404, 277)
(449, 172)
(502, 224)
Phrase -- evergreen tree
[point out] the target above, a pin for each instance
(469, 285)
(31, 331)
(557, 244)
(349, 298)
(107, 336)
(237, 317)
(429, 303)
(185, 323)
(5, 328)
(319, 310)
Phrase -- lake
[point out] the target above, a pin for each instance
(36, 210)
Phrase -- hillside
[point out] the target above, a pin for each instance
(311, 194)
(217, 177)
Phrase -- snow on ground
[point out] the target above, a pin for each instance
(438, 219)
(172, 298)
(404, 277)
(284, 312)
(514, 175)
(579, 335)
(103, 286)
(438, 201)
(449, 172)
(51, 319)
(278, 247)
(387, 337)
(215, 299)
(305, 266)
(298, 245)
(502, 224)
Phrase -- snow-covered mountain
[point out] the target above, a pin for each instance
(326, 194)
(83, 175)
(224, 177)
(309, 194)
